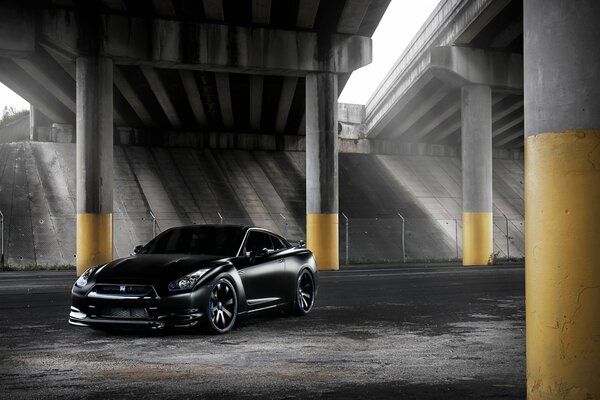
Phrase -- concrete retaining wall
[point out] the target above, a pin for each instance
(266, 188)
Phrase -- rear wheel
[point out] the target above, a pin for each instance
(305, 292)
(221, 307)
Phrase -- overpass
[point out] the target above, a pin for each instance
(486, 75)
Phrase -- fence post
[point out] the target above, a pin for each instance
(347, 245)
(403, 248)
(456, 236)
(220, 217)
(2, 240)
(286, 224)
(507, 238)
(153, 224)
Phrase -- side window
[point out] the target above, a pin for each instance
(277, 243)
(258, 241)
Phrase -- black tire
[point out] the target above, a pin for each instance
(305, 293)
(221, 307)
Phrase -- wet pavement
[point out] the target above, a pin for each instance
(413, 332)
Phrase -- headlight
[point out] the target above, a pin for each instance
(188, 281)
(83, 279)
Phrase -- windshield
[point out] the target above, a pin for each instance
(210, 240)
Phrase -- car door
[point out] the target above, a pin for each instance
(262, 276)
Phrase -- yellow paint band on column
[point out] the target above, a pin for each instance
(94, 240)
(322, 239)
(562, 264)
(478, 242)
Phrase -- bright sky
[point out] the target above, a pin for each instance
(399, 25)
(401, 22)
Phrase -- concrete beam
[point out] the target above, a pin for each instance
(509, 35)
(261, 12)
(352, 15)
(40, 75)
(285, 102)
(436, 120)
(510, 138)
(508, 124)
(132, 98)
(224, 93)
(17, 31)
(307, 12)
(509, 105)
(465, 66)
(485, 16)
(19, 82)
(191, 89)
(422, 109)
(159, 90)
(212, 47)
(256, 90)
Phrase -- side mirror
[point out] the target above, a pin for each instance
(254, 254)
(301, 243)
(137, 249)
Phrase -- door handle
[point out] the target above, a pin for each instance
(282, 260)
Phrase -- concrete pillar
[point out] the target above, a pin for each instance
(477, 174)
(39, 125)
(562, 198)
(322, 169)
(94, 161)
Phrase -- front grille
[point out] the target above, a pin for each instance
(123, 312)
(125, 290)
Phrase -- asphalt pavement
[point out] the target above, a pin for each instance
(412, 331)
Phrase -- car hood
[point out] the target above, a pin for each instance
(150, 268)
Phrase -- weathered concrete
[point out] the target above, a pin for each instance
(562, 176)
(477, 174)
(94, 161)
(213, 47)
(465, 66)
(322, 169)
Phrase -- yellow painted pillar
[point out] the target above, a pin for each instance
(94, 162)
(562, 198)
(476, 111)
(322, 169)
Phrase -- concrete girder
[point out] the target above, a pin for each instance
(20, 82)
(160, 92)
(509, 35)
(422, 109)
(307, 13)
(510, 138)
(352, 15)
(212, 47)
(438, 119)
(261, 11)
(302, 125)
(132, 98)
(482, 20)
(285, 102)
(256, 90)
(465, 66)
(508, 123)
(399, 104)
(506, 107)
(40, 75)
(224, 93)
(191, 89)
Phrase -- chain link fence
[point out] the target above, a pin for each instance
(45, 240)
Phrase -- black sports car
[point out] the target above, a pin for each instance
(207, 274)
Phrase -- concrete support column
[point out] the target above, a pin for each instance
(322, 169)
(94, 161)
(478, 244)
(562, 198)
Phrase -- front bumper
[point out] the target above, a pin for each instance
(100, 310)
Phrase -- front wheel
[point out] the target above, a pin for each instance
(305, 293)
(222, 307)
